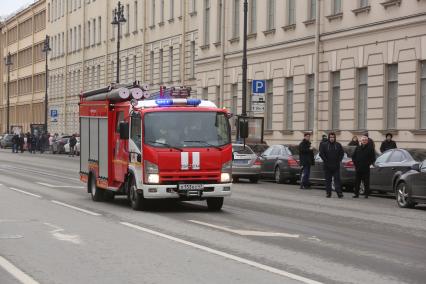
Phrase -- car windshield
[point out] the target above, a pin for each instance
(417, 154)
(186, 129)
(240, 149)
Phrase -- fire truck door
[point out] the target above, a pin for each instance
(120, 154)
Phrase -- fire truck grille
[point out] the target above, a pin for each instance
(177, 178)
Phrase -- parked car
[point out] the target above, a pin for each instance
(6, 142)
(77, 147)
(258, 149)
(410, 188)
(58, 146)
(245, 163)
(281, 163)
(347, 170)
(391, 165)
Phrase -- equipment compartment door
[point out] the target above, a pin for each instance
(120, 154)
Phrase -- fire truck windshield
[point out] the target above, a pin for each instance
(186, 129)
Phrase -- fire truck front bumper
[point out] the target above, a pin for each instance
(187, 191)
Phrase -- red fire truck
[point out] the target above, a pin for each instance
(154, 147)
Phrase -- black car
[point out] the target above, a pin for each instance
(347, 170)
(391, 165)
(258, 148)
(410, 189)
(281, 163)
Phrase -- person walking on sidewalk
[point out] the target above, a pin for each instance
(332, 155)
(73, 142)
(388, 143)
(306, 155)
(15, 143)
(363, 157)
(21, 142)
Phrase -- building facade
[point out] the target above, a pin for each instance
(22, 36)
(329, 65)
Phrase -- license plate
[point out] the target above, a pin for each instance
(191, 186)
(241, 162)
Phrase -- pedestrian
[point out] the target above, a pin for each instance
(370, 141)
(363, 157)
(73, 142)
(332, 154)
(33, 143)
(15, 143)
(51, 139)
(306, 155)
(323, 140)
(28, 142)
(388, 143)
(21, 142)
(354, 141)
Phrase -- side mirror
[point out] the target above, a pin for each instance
(124, 130)
(416, 167)
(243, 127)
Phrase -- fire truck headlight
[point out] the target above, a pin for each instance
(225, 177)
(153, 178)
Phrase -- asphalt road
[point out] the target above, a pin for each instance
(52, 232)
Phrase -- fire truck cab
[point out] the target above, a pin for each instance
(154, 147)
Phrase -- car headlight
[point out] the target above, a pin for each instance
(225, 177)
(151, 172)
(153, 178)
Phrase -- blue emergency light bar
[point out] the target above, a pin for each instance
(177, 102)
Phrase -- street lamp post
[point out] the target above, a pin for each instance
(46, 49)
(118, 19)
(8, 62)
(244, 108)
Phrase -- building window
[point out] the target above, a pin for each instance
(253, 17)
(171, 64)
(134, 68)
(161, 11)
(99, 30)
(75, 46)
(289, 104)
(423, 95)
(362, 98)
(135, 20)
(392, 99)
(363, 3)
(151, 67)
(171, 9)
(219, 21)
(270, 17)
(193, 7)
(312, 9)
(126, 71)
(48, 12)
(63, 44)
(192, 70)
(160, 65)
(127, 19)
(337, 6)
(269, 104)
(205, 94)
(206, 22)
(310, 102)
(236, 19)
(291, 10)
(234, 102)
(88, 34)
(79, 37)
(152, 13)
(335, 100)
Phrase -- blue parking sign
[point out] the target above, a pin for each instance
(258, 86)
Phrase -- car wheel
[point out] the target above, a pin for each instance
(254, 179)
(215, 203)
(96, 193)
(403, 196)
(137, 201)
(278, 176)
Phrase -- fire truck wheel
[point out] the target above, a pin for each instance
(97, 194)
(215, 203)
(137, 201)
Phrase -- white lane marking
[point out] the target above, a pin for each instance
(76, 208)
(58, 186)
(246, 232)
(38, 172)
(225, 255)
(16, 272)
(57, 234)
(25, 192)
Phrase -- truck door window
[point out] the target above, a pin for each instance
(135, 130)
(120, 118)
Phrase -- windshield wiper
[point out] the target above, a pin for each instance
(203, 142)
(165, 144)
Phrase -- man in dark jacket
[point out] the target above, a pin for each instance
(370, 141)
(73, 142)
(363, 157)
(388, 143)
(332, 154)
(306, 155)
(15, 143)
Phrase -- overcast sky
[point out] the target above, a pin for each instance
(10, 6)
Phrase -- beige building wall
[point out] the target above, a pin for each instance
(22, 35)
(283, 51)
(84, 58)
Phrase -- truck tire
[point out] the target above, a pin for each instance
(137, 201)
(96, 193)
(215, 203)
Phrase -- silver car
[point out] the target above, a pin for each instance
(245, 163)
